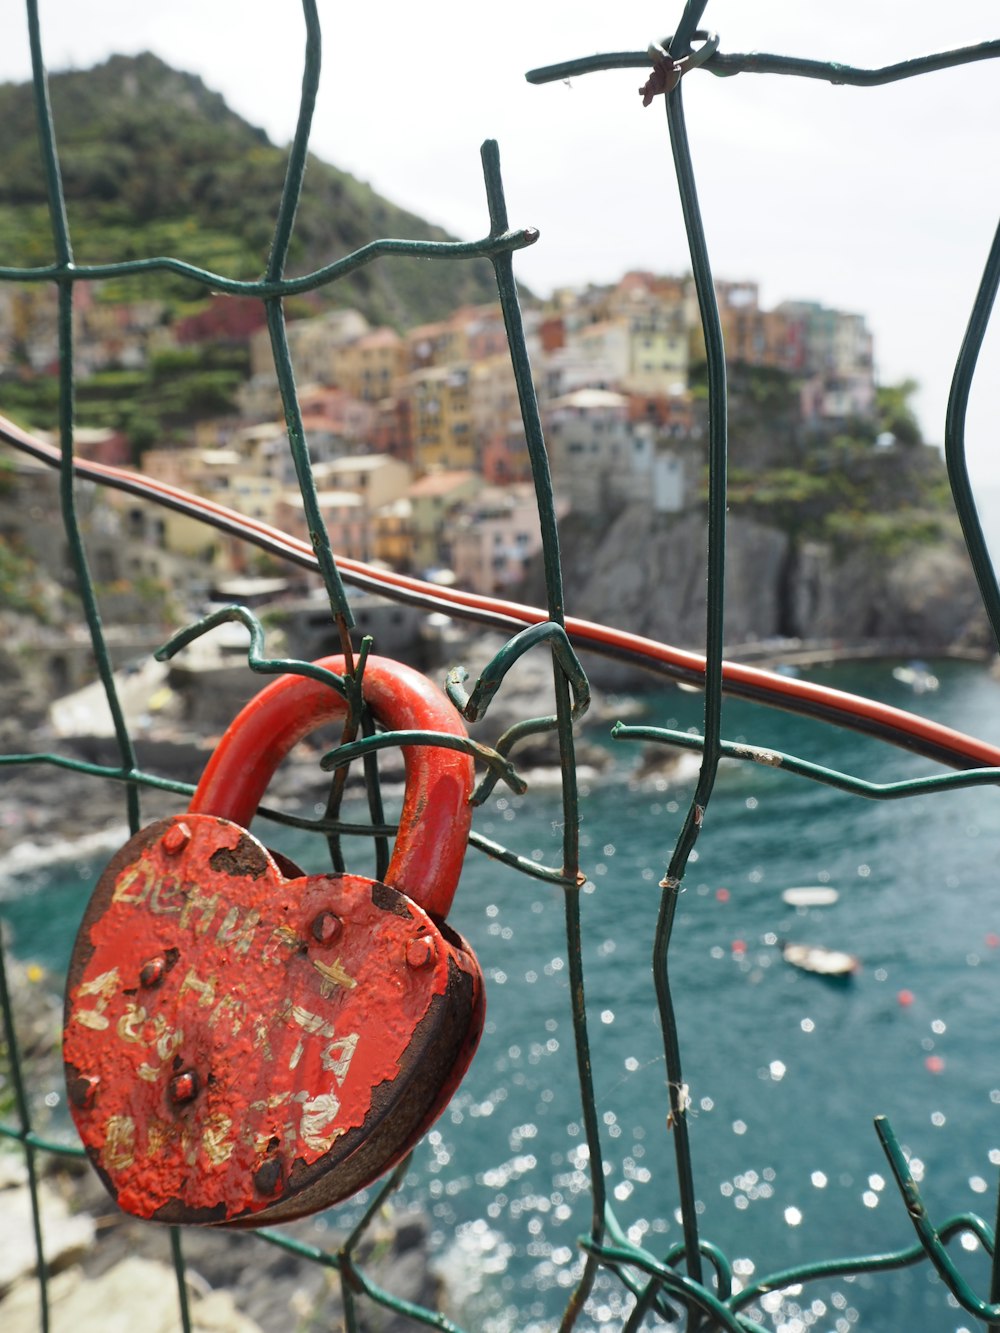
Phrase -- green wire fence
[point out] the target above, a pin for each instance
(692, 1283)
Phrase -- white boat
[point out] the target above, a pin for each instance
(810, 895)
(918, 676)
(818, 959)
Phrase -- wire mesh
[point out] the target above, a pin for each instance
(692, 1283)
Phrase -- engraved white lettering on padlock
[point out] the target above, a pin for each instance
(158, 1134)
(262, 1038)
(119, 1143)
(317, 1114)
(129, 1026)
(334, 972)
(204, 989)
(140, 871)
(167, 897)
(167, 1042)
(311, 1023)
(203, 903)
(234, 1008)
(340, 1064)
(282, 937)
(240, 936)
(103, 986)
(215, 1139)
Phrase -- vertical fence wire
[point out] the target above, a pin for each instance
(504, 269)
(63, 271)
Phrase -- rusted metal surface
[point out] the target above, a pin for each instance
(242, 1046)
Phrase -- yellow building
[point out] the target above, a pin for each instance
(432, 500)
(392, 535)
(441, 418)
(368, 367)
(658, 351)
(439, 344)
(378, 478)
(224, 475)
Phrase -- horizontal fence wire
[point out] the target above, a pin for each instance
(693, 1282)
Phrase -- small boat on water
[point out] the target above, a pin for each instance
(918, 676)
(821, 961)
(810, 895)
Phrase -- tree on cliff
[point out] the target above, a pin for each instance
(894, 412)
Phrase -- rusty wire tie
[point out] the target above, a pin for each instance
(667, 71)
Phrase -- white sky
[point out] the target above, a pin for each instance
(878, 200)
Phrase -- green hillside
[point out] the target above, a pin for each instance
(154, 163)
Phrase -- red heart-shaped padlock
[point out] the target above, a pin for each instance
(241, 1046)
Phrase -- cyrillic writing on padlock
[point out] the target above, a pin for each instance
(244, 1043)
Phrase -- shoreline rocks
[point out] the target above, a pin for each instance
(110, 1272)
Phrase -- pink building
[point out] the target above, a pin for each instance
(346, 517)
(494, 536)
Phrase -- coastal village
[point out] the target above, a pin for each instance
(416, 438)
(420, 465)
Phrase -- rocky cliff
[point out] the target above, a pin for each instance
(645, 572)
(845, 535)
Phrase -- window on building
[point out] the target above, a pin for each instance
(105, 566)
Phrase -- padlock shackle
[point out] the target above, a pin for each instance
(434, 824)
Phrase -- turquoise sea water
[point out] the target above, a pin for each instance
(785, 1071)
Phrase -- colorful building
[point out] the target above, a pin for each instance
(441, 417)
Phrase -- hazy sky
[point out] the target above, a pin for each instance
(877, 200)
